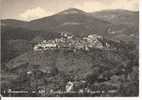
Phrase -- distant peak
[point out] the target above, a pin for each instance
(72, 11)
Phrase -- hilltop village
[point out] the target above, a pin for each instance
(68, 41)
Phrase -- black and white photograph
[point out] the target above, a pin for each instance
(69, 48)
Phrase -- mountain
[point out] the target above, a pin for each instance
(13, 23)
(81, 23)
(122, 27)
(70, 20)
(119, 17)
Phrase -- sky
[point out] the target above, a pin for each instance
(34, 9)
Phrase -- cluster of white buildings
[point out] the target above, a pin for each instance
(52, 44)
(68, 41)
(45, 45)
(92, 41)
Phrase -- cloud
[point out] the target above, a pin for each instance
(33, 13)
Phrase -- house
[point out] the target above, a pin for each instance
(44, 45)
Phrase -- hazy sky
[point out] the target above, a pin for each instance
(33, 9)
